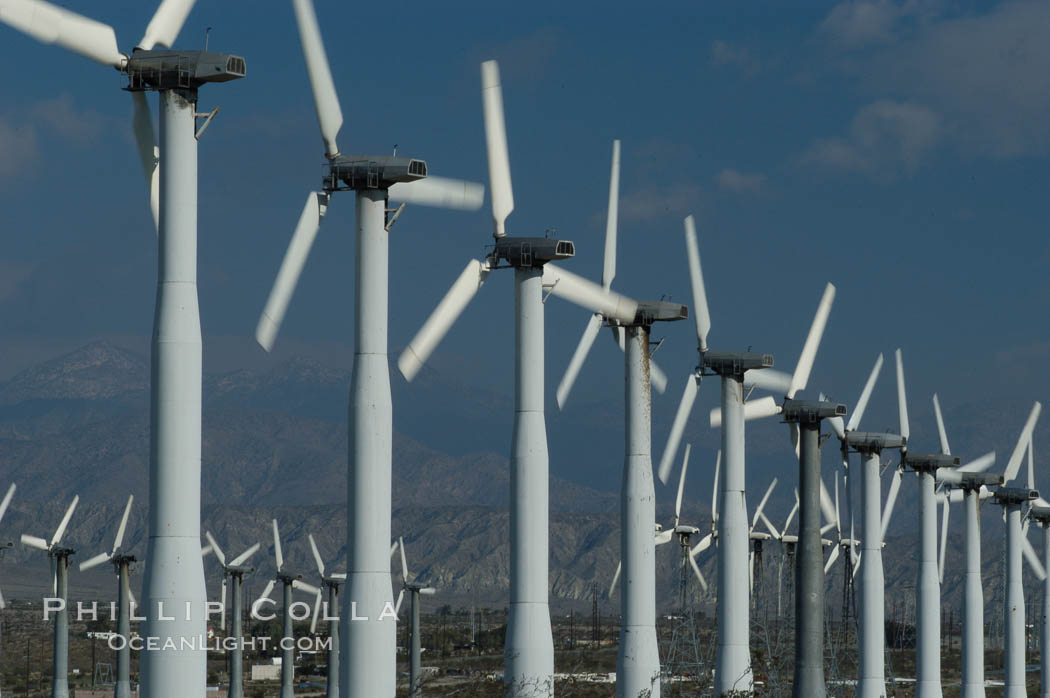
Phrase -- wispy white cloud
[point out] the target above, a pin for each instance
(740, 182)
(857, 24)
(884, 138)
(724, 53)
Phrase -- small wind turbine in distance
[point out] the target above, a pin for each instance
(968, 484)
(414, 589)
(235, 569)
(370, 671)
(737, 370)
(60, 562)
(174, 574)
(122, 561)
(1040, 512)
(331, 582)
(638, 658)
(288, 582)
(529, 646)
(1013, 500)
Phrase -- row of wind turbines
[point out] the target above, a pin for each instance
(367, 649)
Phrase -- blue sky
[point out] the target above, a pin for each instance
(899, 150)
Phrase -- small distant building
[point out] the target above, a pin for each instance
(266, 672)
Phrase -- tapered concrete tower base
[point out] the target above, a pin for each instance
(871, 679)
(928, 594)
(973, 621)
(1014, 611)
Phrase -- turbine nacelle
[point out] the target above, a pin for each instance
(166, 69)
(873, 442)
(967, 480)
(1040, 514)
(531, 251)
(929, 461)
(808, 411)
(371, 172)
(734, 363)
(1015, 495)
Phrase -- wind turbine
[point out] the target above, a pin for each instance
(174, 574)
(684, 533)
(928, 587)
(968, 484)
(758, 538)
(288, 582)
(370, 669)
(736, 369)
(1040, 512)
(638, 657)
(235, 569)
(414, 589)
(60, 561)
(529, 647)
(331, 582)
(122, 562)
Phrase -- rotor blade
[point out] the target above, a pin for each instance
(317, 554)
(291, 267)
(1033, 558)
(945, 449)
(944, 539)
(685, 408)
(714, 488)
(440, 192)
(329, 114)
(317, 612)
(753, 409)
(60, 531)
(769, 525)
(428, 591)
(663, 537)
(696, 571)
(3, 604)
(767, 379)
(222, 616)
(751, 571)
(51, 24)
(838, 517)
(1014, 463)
(837, 426)
(7, 500)
(243, 557)
(142, 125)
(827, 506)
(166, 23)
(590, 332)
(215, 548)
(441, 320)
(902, 399)
(278, 556)
(123, 525)
(609, 264)
(404, 561)
(207, 550)
(978, 465)
(1031, 464)
(657, 377)
(95, 561)
(303, 586)
(496, 146)
(400, 598)
(616, 578)
(681, 484)
(589, 295)
(791, 514)
(762, 504)
(267, 589)
(891, 498)
(865, 395)
(696, 281)
(831, 559)
(800, 377)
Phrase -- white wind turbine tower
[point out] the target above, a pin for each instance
(331, 582)
(60, 562)
(638, 657)
(968, 484)
(737, 369)
(174, 574)
(928, 587)
(288, 582)
(369, 671)
(235, 569)
(414, 589)
(529, 648)
(122, 562)
(3, 509)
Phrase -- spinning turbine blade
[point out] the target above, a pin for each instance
(94, 562)
(278, 556)
(769, 525)
(123, 525)
(714, 489)
(831, 559)
(34, 542)
(944, 539)
(940, 426)
(222, 616)
(696, 280)
(303, 586)
(496, 145)
(800, 377)
(267, 589)
(243, 557)
(441, 320)
(1014, 464)
(700, 547)
(317, 611)
(215, 548)
(65, 521)
(978, 465)
(51, 24)
(616, 578)
(1033, 558)
(827, 507)
(440, 192)
(7, 500)
(681, 485)
(837, 426)
(891, 497)
(578, 290)
(400, 598)
(404, 561)
(698, 573)
(791, 514)
(664, 536)
(762, 504)
(291, 267)
(753, 409)
(902, 399)
(428, 591)
(685, 407)
(609, 264)
(329, 114)
(590, 332)
(166, 24)
(865, 395)
(767, 379)
(657, 378)
(142, 124)
(317, 555)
